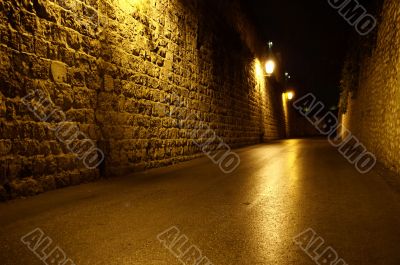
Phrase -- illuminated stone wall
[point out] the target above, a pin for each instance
(135, 76)
(371, 100)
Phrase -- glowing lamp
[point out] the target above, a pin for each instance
(290, 95)
(270, 67)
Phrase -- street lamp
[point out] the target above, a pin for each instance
(290, 95)
(270, 67)
(270, 64)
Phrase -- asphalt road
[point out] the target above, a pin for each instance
(248, 217)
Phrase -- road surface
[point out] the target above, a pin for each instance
(248, 217)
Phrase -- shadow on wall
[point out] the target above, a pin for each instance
(163, 62)
(135, 76)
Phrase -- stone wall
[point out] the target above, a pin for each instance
(135, 77)
(370, 102)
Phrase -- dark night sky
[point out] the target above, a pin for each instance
(312, 39)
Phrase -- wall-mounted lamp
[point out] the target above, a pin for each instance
(290, 95)
(270, 67)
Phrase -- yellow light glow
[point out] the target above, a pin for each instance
(259, 77)
(259, 71)
(128, 6)
(270, 67)
(278, 189)
(290, 95)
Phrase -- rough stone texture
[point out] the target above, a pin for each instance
(136, 77)
(370, 104)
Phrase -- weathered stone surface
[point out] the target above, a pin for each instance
(370, 102)
(59, 72)
(136, 79)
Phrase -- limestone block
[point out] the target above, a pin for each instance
(59, 71)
